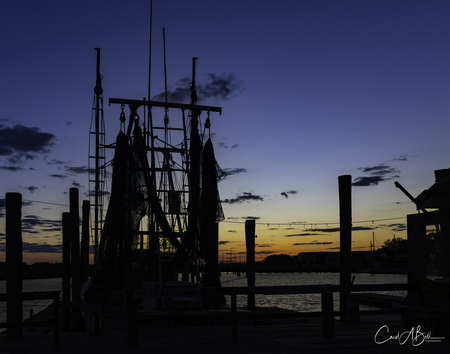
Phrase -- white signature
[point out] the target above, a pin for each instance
(414, 335)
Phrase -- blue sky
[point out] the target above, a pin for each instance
(312, 90)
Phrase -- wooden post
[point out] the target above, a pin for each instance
(250, 243)
(75, 256)
(85, 242)
(66, 269)
(14, 261)
(345, 218)
(416, 255)
(75, 243)
(327, 315)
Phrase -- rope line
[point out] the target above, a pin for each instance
(297, 223)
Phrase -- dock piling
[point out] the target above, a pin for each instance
(14, 261)
(250, 243)
(345, 219)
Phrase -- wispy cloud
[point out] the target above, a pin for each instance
(286, 194)
(265, 245)
(398, 227)
(28, 247)
(312, 243)
(79, 169)
(31, 189)
(59, 176)
(245, 197)
(324, 231)
(232, 171)
(12, 168)
(30, 223)
(226, 146)
(264, 252)
(218, 87)
(375, 175)
(56, 162)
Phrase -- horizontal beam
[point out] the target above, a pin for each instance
(165, 105)
(36, 295)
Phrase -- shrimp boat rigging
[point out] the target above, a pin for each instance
(161, 224)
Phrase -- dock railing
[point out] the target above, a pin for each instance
(327, 312)
(36, 295)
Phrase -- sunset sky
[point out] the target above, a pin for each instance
(310, 90)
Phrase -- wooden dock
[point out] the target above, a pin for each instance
(293, 335)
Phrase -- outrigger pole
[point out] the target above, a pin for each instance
(138, 103)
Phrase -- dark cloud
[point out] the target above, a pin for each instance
(20, 143)
(246, 197)
(223, 242)
(362, 228)
(12, 168)
(76, 184)
(19, 157)
(304, 234)
(56, 162)
(225, 146)
(38, 248)
(31, 189)
(251, 218)
(318, 231)
(265, 245)
(376, 174)
(58, 176)
(367, 181)
(403, 157)
(30, 222)
(233, 171)
(264, 252)
(285, 194)
(312, 243)
(398, 227)
(80, 170)
(102, 194)
(220, 87)
(232, 231)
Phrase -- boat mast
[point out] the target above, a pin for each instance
(98, 90)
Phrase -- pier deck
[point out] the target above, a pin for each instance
(270, 336)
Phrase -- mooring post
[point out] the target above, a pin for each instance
(66, 240)
(250, 243)
(75, 256)
(345, 219)
(75, 242)
(14, 262)
(85, 241)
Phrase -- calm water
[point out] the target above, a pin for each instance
(29, 286)
(304, 302)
